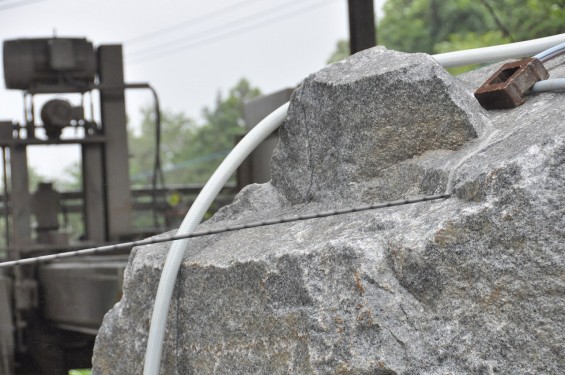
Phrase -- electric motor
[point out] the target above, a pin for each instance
(56, 114)
(52, 62)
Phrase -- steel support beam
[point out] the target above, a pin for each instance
(362, 33)
(93, 187)
(113, 114)
(20, 197)
(257, 167)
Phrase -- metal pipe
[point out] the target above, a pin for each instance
(6, 199)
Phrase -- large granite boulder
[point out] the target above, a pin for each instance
(473, 284)
(355, 119)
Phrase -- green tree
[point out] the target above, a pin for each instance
(71, 178)
(177, 133)
(434, 26)
(223, 123)
(341, 51)
(190, 152)
(417, 25)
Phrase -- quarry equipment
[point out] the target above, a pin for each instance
(49, 315)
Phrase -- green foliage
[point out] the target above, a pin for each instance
(34, 178)
(469, 40)
(177, 130)
(528, 19)
(80, 372)
(416, 26)
(190, 152)
(341, 52)
(434, 26)
(223, 124)
(71, 178)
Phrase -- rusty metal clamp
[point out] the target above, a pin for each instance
(507, 87)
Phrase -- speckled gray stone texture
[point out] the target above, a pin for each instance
(469, 285)
(354, 119)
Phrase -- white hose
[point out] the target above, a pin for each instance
(497, 53)
(174, 258)
(554, 84)
(551, 53)
(246, 146)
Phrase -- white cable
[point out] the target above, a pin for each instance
(498, 53)
(551, 53)
(246, 146)
(554, 84)
(194, 216)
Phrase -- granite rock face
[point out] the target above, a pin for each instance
(473, 284)
(354, 119)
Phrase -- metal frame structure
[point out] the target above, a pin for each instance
(362, 32)
(59, 306)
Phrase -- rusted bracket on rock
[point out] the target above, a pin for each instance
(507, 87)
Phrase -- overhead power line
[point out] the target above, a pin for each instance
(183, 164)
(181, 44)
(189, 22)
(5, 5)
(214, 29)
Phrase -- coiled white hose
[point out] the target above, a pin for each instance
(246, 146)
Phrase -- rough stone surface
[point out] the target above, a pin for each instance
(354, 119)
(468, 285)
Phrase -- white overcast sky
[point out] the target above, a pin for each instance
(273, 43)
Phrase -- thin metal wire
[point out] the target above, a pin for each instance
(255, 224)
(189, 43)
(15, 4)
(188, 23)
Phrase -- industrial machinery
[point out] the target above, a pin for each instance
(50, 314)
(257, 167)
